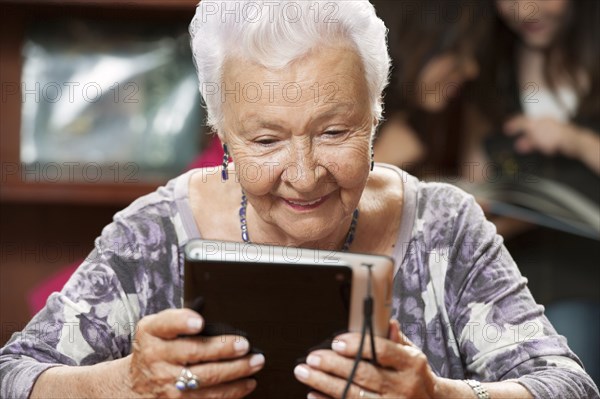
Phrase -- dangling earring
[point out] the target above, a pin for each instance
(372, 157)
(224, 172)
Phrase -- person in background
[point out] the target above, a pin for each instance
(538, 100)
(433, 45)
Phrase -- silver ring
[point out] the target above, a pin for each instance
(367, 394)
(187, 380)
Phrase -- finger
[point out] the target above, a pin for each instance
(324, 383)
(389, 353)
(397, 335)
(394, 334)
(189, 350)
(524, 145)
(348, 344)
(515, 125)
(367, 375)
(317, 395)
(234, 389)
(216, 373)
(170, 323)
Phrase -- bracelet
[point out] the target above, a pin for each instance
(479, 390)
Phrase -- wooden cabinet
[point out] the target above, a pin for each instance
(46, 225)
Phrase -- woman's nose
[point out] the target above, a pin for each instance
(301, 169)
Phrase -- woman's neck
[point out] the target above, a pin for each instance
(533, 68)
(531, 64)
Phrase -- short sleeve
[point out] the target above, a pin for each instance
(133, 270)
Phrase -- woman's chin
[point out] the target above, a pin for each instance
(309, 232)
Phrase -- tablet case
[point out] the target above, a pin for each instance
(284, 310)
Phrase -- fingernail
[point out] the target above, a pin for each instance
(301, 372)
(250, 384)
(241, 346)
(311, 396)
(338, 346)
(194, 323)
(313, 360)
(257, 360)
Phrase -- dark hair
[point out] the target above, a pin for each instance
(573, 51)
(420, 30)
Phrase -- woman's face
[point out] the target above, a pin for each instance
(300, 140)
(442, 77)
(537, 22)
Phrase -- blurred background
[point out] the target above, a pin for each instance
(99, 106)
(501, 97)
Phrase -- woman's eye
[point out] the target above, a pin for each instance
(265, 141)
(335, 132)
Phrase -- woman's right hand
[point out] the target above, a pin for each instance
(222, 363)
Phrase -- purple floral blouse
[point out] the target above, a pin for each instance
(457, 294)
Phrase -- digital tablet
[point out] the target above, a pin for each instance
(285, 300)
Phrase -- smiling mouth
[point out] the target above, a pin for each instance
(305, 205)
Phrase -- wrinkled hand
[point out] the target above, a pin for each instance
(403, 371)
(221, 363)
(546, 135)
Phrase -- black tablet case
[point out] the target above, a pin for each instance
(284, 310)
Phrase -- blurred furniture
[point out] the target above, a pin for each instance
(211, 156)
(47, 225)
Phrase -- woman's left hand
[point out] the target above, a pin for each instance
(552, 137)
(546, 135)
(403, 371)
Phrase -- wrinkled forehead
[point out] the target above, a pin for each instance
(326, 75)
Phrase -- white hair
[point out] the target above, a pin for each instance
(276, 33)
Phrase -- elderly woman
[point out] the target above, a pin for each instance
(294, 92)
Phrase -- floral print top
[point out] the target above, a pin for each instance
(458, 295)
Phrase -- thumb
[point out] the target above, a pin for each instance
(170, 323)
(515, 125)
(396, 335)
(524, 145)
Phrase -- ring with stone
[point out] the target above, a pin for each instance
(187, 380)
